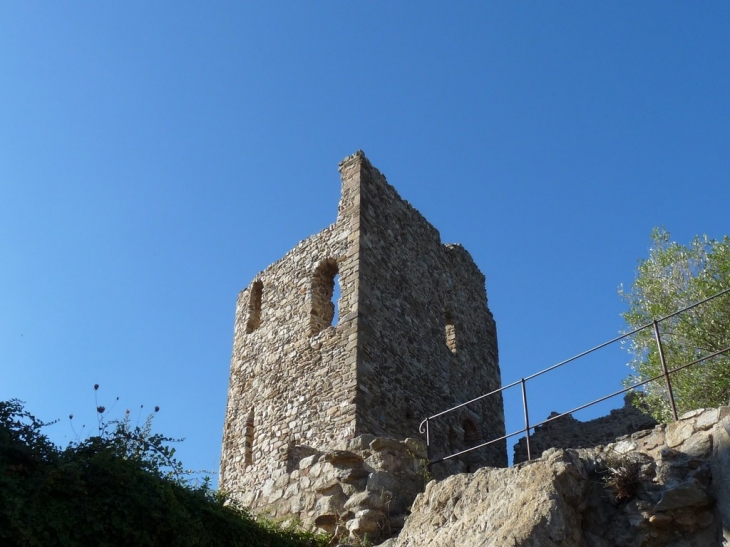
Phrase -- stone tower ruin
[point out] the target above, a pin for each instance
(413, 336)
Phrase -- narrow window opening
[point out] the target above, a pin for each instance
(248, 436)
(323, 290)
(254, 307)
(450, 332)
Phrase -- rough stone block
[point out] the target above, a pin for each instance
(708, 418)
(686, 494)
(367, 522)
(383, 443)
(361, 442)
(698, 445)
(679, 432)
(344, 458)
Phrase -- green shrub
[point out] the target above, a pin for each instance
(122, 487)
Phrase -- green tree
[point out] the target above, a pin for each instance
(673, 277)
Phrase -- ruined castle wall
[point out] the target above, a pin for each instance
(413, 337)
(293, 376)
(426, 338)
(567, 432)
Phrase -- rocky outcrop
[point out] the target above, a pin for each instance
(501, 506)
(669, 486)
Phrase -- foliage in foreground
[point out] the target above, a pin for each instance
(118, 488)
(673, 277)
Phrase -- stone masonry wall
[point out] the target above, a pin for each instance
(415, 293)
(362, 487)
(567, 432)
(413, 336)
(289, 384)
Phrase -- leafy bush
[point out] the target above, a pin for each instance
(122, 487)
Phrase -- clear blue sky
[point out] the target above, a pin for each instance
(154, 156)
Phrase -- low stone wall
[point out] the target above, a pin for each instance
(362, 488)
(567, 432)
(665, 487)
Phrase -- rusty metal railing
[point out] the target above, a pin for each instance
(425, 426)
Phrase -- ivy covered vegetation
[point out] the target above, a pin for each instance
(121, 487)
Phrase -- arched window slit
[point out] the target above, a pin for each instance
(323, 310)
(254, 307)
(450, 332)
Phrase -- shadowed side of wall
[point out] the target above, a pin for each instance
(426, 338)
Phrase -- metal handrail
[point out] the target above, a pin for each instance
(424, 426)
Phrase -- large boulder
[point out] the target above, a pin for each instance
(535, 504)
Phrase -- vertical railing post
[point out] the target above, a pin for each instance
(428, 440)
(527, 419)
(664, 370)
